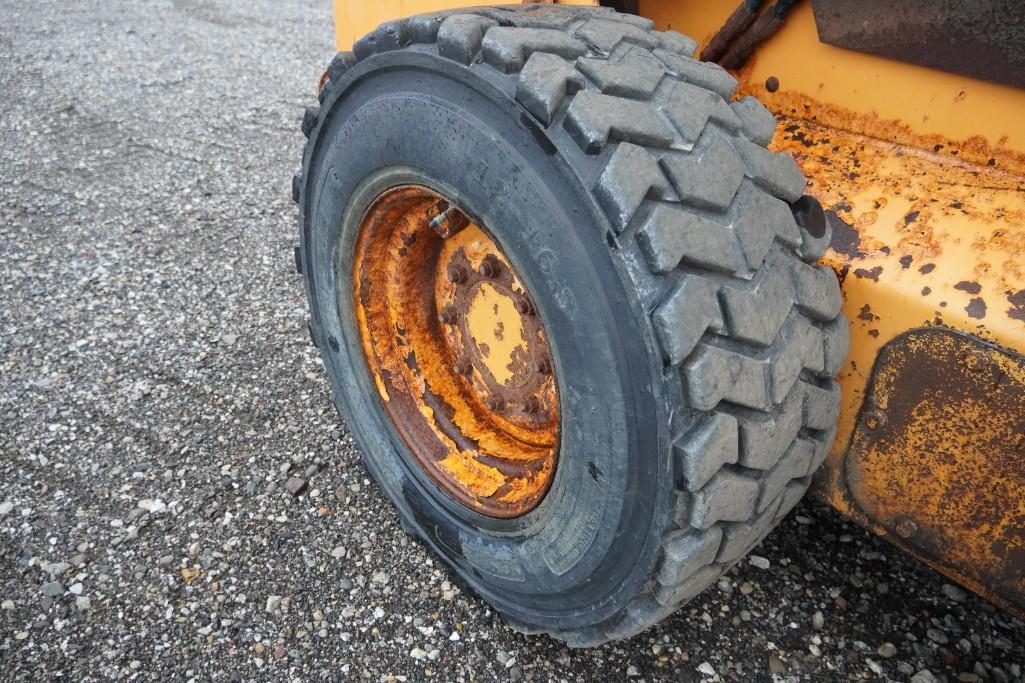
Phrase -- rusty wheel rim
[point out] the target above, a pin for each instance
(457, 352)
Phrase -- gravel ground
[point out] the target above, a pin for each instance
(158, 392)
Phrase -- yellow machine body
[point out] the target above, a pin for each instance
(923, 175)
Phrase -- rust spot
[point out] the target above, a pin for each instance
(910, 217)
(866, 313)
(926, 291)
(927, 268)
(976, 308)
(905, 261)
(873, 332)
(871, 274)
(1017, 301)
(970, 287)
(845, 239)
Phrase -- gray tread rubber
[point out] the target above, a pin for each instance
(749, 328)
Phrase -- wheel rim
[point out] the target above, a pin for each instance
(457, 352)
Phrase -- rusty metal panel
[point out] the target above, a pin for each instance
(937, 458)
(979, 38)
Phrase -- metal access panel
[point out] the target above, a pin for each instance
(980, 38)
(938, 457)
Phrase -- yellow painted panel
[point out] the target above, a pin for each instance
(927, 101)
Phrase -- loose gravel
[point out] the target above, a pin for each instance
(179, 500)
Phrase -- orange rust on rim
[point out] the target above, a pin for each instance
(457, 352)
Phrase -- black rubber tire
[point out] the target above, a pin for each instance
(694, 338)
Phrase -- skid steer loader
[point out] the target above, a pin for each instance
(603, 290)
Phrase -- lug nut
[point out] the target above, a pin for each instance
(531, 405)
(448, 315)
(495, 404)
(488, 267)
(523, 306)
(544, 366)
(456, 274)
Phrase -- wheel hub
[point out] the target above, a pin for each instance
(457, 351)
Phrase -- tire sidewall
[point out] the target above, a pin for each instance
(409, 117)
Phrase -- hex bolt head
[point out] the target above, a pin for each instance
(448, 315)
(456, 274)
(906, 528)
(875, 419)
(524, 306)
(488, 267)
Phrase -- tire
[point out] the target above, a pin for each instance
(694, 337)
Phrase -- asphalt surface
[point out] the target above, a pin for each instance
(158, 390)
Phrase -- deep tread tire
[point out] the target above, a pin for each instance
(748, 326)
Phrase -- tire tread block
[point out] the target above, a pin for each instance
(758, 123)
(637, 75)
(594, 119)
(508, 48)
(670, 236)
(703, 451)
(683, 317)
(704, 74)
(631, 176)
(544, 84)
(690, 108)
(460, 36)
(707, 177)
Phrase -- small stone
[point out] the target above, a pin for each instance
(418, 653)
(705, 669)
(633, 672)
(318, 616)
(818, 620)
(295, 485)
(55, 569)
(503, 657)
(746, 588)
(515, 674)
(759, 561)
(776, 665)
(273, 603)
(937, 636)
(5, 508)
(7, 605)
(380, 578)
(83, 603)
(887, 650)
(21, 635)
(52, 589)
(968, 677)
(76, 589)
(154, 506)
(454, 636)
(338, 552)
(279, 651)
(434, 654)
(953, 592)
(924, 676)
